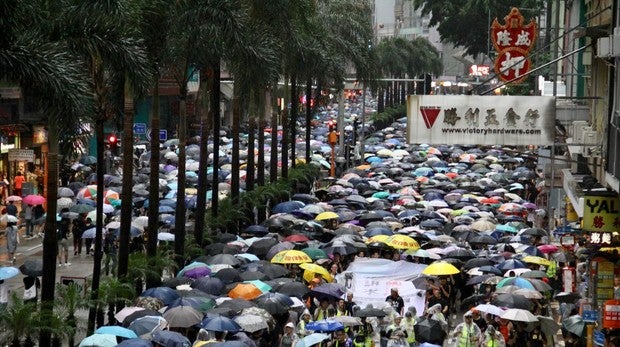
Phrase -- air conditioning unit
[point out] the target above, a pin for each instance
(608, 47)
(578, 128)
(592, 152)
(590, 137)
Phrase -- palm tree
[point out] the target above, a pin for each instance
(18, 321)
(71, 299)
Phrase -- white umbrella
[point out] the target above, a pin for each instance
(126, 311)
(142, 221)
(9, 219)
(251, 323)
(516, 272)
(529, 293)
(163, 236)
(64, 202)
(519, 315)
(490, 309)
(312, 340)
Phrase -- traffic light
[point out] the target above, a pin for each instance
(113, 143)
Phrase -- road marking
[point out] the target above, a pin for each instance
(35, 247)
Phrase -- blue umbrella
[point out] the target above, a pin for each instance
(378, 231)
(247, 256)
(312, 340)
(287, 206)
(99, 340)
(169, 338)
(325, 326)
(166, 209)
(116, 331)
(220, 323)
(135, 343)
(7, 272)
(89, 233)
(511, 264)
(209, 285)
(257, 229)
(165, 294)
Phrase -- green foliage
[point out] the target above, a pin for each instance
(388, 116)
(142, 267)
(18, 321)
(232, 216)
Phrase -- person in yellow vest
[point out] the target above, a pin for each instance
(341, 309)
(493, 338)
(409, 326)
(301, 325)
(363, 334)
(321, 312)
(467, 333)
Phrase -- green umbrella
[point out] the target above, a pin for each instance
(315, 253)
(381, 195)
(506, 228)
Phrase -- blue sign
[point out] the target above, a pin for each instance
(163, 135)
(590, 316)
(139, 128)
(599, 338)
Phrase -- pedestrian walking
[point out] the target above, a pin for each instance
(18, 181)
(11, 209)
(77, 230)
(88, 242)
(62, 232)
(110, 248)
(29, 219)
(12, 240)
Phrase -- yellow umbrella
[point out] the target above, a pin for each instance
(291, 256)
(532, 259)
(378, 238)
(440, 268)
(311, 269)
(400, 241)
(326, 216)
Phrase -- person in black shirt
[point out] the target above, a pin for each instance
(437, 298)
(396, 301)
(62, 231)
(11, 209)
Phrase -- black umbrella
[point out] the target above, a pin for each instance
(513, 301)
(226, 237)
(296, 289)
(477, 262)
(139, 314)
(471, 301)
(236, 304)
(177, 281)
(478, 279)
(567, 297)
(328, 291)
(461, 253)
(274, 303)
(483, 240)
(270, 270)
(219, 248)
(227, 259)
(429, 330)
(209, 285)
(253, 275)
(534, 232)
(370, 312)
(228, 276)
(32, 267)
(260, 248)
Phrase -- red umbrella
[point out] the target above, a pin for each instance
(546, 249)
(297, 238)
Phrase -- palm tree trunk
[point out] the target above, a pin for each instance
(153, 210)
(250, 168)
(273, 166)
(284, 119)
(308, 117)
(94, 294)
(264, 104)
(179, 222)
(215, 115)
(50, 243)
(126, 194)
(293, 120)
(380, 99)
(201, 202)
(236, 117)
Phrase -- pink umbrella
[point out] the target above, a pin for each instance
(33, 200)
(546, 249)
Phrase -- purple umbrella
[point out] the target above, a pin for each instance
(198, 272)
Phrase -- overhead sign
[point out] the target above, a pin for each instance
(163, 135)
(601, 213)
(139, 128)
(513, 42)
(481, 120)
(479, 70)
(16, 154)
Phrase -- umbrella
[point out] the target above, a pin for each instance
(531, 259)
(246, 291)
(140, 314)
(534, 274)
(227, 259)
(81, 208)
(529, 293)
(116, 331)
(548, 248)
(519, 315)
(33, 200)
(325, 326)
(14, 198)
(331, 290)
(99, 340)
(311, 340)
(440, 268)
(315, 253)
(296, 289)
(312, 269)
(490, 309)
(7, 272)
(326, 216)
(567, 297)
(548, 325)
(429, 330)
(9, 219)
(251, 323)
(165, 294)
(200, 303)
(220, 323)
(274, 303)
(88, 160)
(574, 325)
(32, 267)
(209, 285)
(277, 248)
(126, 311)
(228, 275)
(291, 257)
(513, 301)
(370, 312)
(534, 232)
(399, 241)
(515, 281)
(135, 343)
(182, 316)
(348, 321)
(169, 338)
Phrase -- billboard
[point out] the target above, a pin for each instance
(481, 120)
(601, 213)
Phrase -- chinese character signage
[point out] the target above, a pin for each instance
(601, 213)
(481, 120)
(513, 42)
(611, 314)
